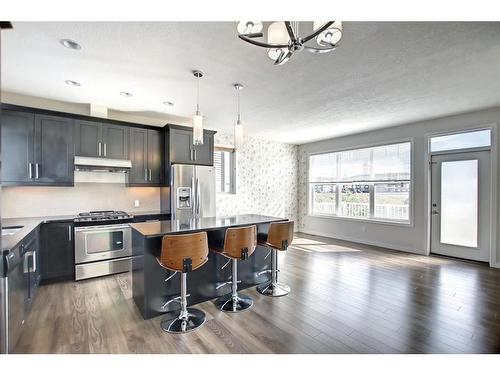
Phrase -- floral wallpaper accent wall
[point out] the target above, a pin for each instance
(302, 189)
(266, 179)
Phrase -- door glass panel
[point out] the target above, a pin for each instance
(479, 138)
(459, 203)
(104, 241)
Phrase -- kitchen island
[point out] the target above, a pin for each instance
(151, 291)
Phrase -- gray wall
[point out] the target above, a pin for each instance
(413, 238)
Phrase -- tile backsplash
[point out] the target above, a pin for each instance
(32, 201)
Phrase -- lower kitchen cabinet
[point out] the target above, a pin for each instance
(57, 255)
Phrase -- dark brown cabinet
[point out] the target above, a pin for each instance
(146, 155)
(36, 149)
(57, 254)
(96, 139)
(182, 150)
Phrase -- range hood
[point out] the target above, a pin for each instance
(87, 164)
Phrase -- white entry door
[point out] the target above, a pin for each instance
(460, 212)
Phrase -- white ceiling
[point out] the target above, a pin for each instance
(384, 73)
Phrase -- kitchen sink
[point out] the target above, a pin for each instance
(11, 230)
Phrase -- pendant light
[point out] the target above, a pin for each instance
(197, 118)
(238, 126)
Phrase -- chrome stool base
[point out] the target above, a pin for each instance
(228, 303)
(273, 290)
(175, 324)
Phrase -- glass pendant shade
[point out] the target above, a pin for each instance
(197, 129)
(277, 34)
(238, 134)
(249, 27)
(330, 36)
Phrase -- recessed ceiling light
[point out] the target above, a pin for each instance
(72, 83)
(168, 104)
(68, 43)
(124, 93)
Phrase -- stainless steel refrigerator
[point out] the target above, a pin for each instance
(192, 192)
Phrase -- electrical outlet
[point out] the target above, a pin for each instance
(137, 203)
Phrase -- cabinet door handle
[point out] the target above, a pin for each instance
(99, 149)
(191, 154)
(37, 175)
(150, 173)
(194, 154)
(30, 170)
(105, 149)
(145, 174)
(33, 258)
(70, 234)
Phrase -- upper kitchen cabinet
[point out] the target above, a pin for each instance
(54, 153)
(18, 133)
(146, 155)
(36, 149)
(96, 139)
(182, 151)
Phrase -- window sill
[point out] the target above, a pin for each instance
(372, 221)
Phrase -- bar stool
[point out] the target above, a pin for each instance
(183, 253)
(279, 237)
(239, 243)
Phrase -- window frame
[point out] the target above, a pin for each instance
(408, 223)
(232, 167)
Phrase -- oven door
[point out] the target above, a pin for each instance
(102, 242)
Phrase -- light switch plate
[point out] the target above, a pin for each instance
(137, 203)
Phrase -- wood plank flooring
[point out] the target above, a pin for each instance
(346, 298)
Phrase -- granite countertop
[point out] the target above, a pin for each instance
(160, 228)
(148, 213)
(28, 225)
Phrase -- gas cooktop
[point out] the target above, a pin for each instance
(99, 216)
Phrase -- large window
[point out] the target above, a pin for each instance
(368, 183)
(225, 175)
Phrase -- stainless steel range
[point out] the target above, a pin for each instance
(103, 243)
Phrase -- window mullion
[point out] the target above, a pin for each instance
(372, 200)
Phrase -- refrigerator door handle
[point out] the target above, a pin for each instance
(193, 196)
(198, 198)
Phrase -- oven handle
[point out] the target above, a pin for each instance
(102, 228)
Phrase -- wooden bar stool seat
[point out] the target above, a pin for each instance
(239, 244)
(183, 253)
(279, 237)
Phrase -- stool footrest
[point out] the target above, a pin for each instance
(175, 299)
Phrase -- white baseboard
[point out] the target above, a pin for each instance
(364, 242)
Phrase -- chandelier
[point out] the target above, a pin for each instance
(283, 37)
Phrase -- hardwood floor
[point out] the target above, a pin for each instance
(345, 298)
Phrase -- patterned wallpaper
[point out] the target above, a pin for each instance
(266, 178)
(303, 186)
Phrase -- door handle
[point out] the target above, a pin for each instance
(145, 174)
(195, 156)
(69, 233)
(105, 149)
(191, 154)
(99, 148)
(150, 173)
(30, 170)
(37, 175)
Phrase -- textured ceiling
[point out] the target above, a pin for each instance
(384, 73)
